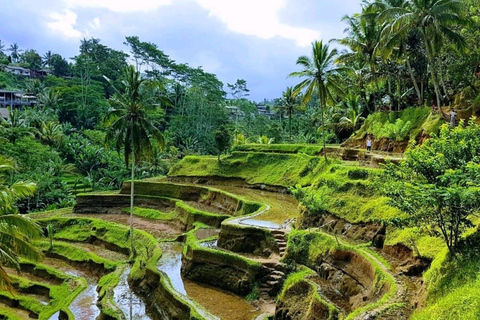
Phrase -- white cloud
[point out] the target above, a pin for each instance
(257, 18)
(123, 6)
(65, 23)
(95, 23)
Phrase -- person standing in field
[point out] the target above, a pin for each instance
(452, 117)
(369, 144)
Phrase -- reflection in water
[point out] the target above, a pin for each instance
(55, 316)
(209, 244)
(130, 304)
(260, 223)
(84, 306)
(171, 264)
(221, 303)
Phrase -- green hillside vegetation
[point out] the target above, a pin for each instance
(407, 124)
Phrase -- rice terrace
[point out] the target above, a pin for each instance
(334, 179)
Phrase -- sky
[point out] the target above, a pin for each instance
(255, 40)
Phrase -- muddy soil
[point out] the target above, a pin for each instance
(34, 276)
(206, 233)
(282, 205)
(20, 313)
(158, 229)
(101, 251)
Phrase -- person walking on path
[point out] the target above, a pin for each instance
(452, 117)
(369, 144)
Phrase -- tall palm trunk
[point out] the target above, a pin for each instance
(290, 125)
(415, 85)
(322, 105)
(132, 189)
(431, 62)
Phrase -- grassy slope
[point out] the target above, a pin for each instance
(265, 168)
(420, 119)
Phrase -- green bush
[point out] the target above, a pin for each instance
(356, 174)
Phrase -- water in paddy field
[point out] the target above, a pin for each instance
(131, 305)
(171, 264)
(209, 244)
(260, 223)
(84, 306)
(221, 303)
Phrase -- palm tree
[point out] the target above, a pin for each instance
(16, 52)
(352, 113)
(15, 126)
(436, 21)
(362, 37)
(48, 58)
(2, 48)
(49, 98)
(288, 104)
(129, 127)
(15, 230)
(321, 78)
(51, 132)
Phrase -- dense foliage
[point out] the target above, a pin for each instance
(438, 184)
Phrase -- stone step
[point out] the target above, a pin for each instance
(277, 231)
(278, 273)
(273, 265)
(273, 277)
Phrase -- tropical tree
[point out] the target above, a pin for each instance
(16, 231)
(51, 132)
(49, 98)
(352, 113)
(15, 126)
(47, 59)
(438, 184)
(2, 48)
(321, 78)
(223, 141)
(15, 52)
(436, 20)
(288, 104)
(362, 37)
(129, 127)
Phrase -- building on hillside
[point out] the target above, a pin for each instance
(265, 111)
(17, 70)
(16, 99)
(235, 113)
(40, 73)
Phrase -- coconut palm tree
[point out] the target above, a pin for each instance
(436, 20)
(352, 113)
(16, 230)
(48, 98)
(2, 48)
(48, 58)
(288, 104)
(321, 78)
(15, 52)
(129, 128)
(15, 126)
